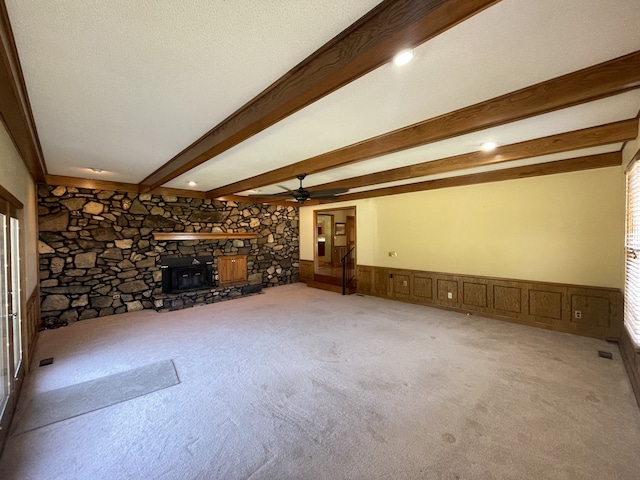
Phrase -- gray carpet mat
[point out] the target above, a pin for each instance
(68, 402)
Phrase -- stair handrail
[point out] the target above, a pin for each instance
(345, 261)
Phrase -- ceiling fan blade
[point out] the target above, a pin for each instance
(270, 195)
(301, 194)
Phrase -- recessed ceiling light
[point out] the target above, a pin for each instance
(192, 183)
(403, 57)
(97, 170)
(489, 146)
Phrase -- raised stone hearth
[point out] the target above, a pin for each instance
(165, 302)
(98, 256)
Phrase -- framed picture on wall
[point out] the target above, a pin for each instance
(341, 229)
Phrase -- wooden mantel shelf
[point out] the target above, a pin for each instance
(202, 236)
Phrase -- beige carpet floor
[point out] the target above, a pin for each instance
(299, 383)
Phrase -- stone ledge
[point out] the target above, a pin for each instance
(202, 236)
(167, 302)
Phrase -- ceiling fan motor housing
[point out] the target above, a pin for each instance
(301, 195)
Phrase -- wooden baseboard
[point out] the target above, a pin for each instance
(631, 360)
(551, 306)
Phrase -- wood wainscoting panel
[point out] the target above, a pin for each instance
(447, 288)
(32, 327)
(306, 270)
(422, 287)
(590, 310)
(541, 304)
(631, 359)
(374, 281)
(401, 285)
(507, 299)
(474, 294)
(545, 305)
(365, 279)
(381, 283)
(599, 309)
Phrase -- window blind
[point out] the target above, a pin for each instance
(632, 250)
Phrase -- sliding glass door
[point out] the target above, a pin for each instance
(5, 326)
(16, 292)
(10, 313)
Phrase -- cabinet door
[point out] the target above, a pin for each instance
(232, 269)
(239, 268)
(225, 269)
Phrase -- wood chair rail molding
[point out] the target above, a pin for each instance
(606, 79)
(541, 304)
(549, 168)
(164, 236)
(588, 137)
(364, 46)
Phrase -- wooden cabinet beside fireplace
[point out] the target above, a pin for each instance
(232, 269)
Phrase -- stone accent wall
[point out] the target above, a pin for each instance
(98, 256)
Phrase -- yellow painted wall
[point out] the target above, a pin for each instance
(565, 228)
(15, 178)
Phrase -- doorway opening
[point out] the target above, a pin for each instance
(334, 237)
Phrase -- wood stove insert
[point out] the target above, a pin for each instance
(181, 274)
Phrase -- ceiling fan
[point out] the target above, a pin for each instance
(301, 194)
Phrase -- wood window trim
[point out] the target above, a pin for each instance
(7, 196)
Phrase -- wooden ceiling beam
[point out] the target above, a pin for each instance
(564, 142)
(15, 108)
(599, 81)
(268, 200)
(549, 168)
(364, 46)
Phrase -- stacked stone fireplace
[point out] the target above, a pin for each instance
(98, 255)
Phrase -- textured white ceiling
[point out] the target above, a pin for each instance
(607, 110)
(125, 86)
(489, 168)
(520, 43)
